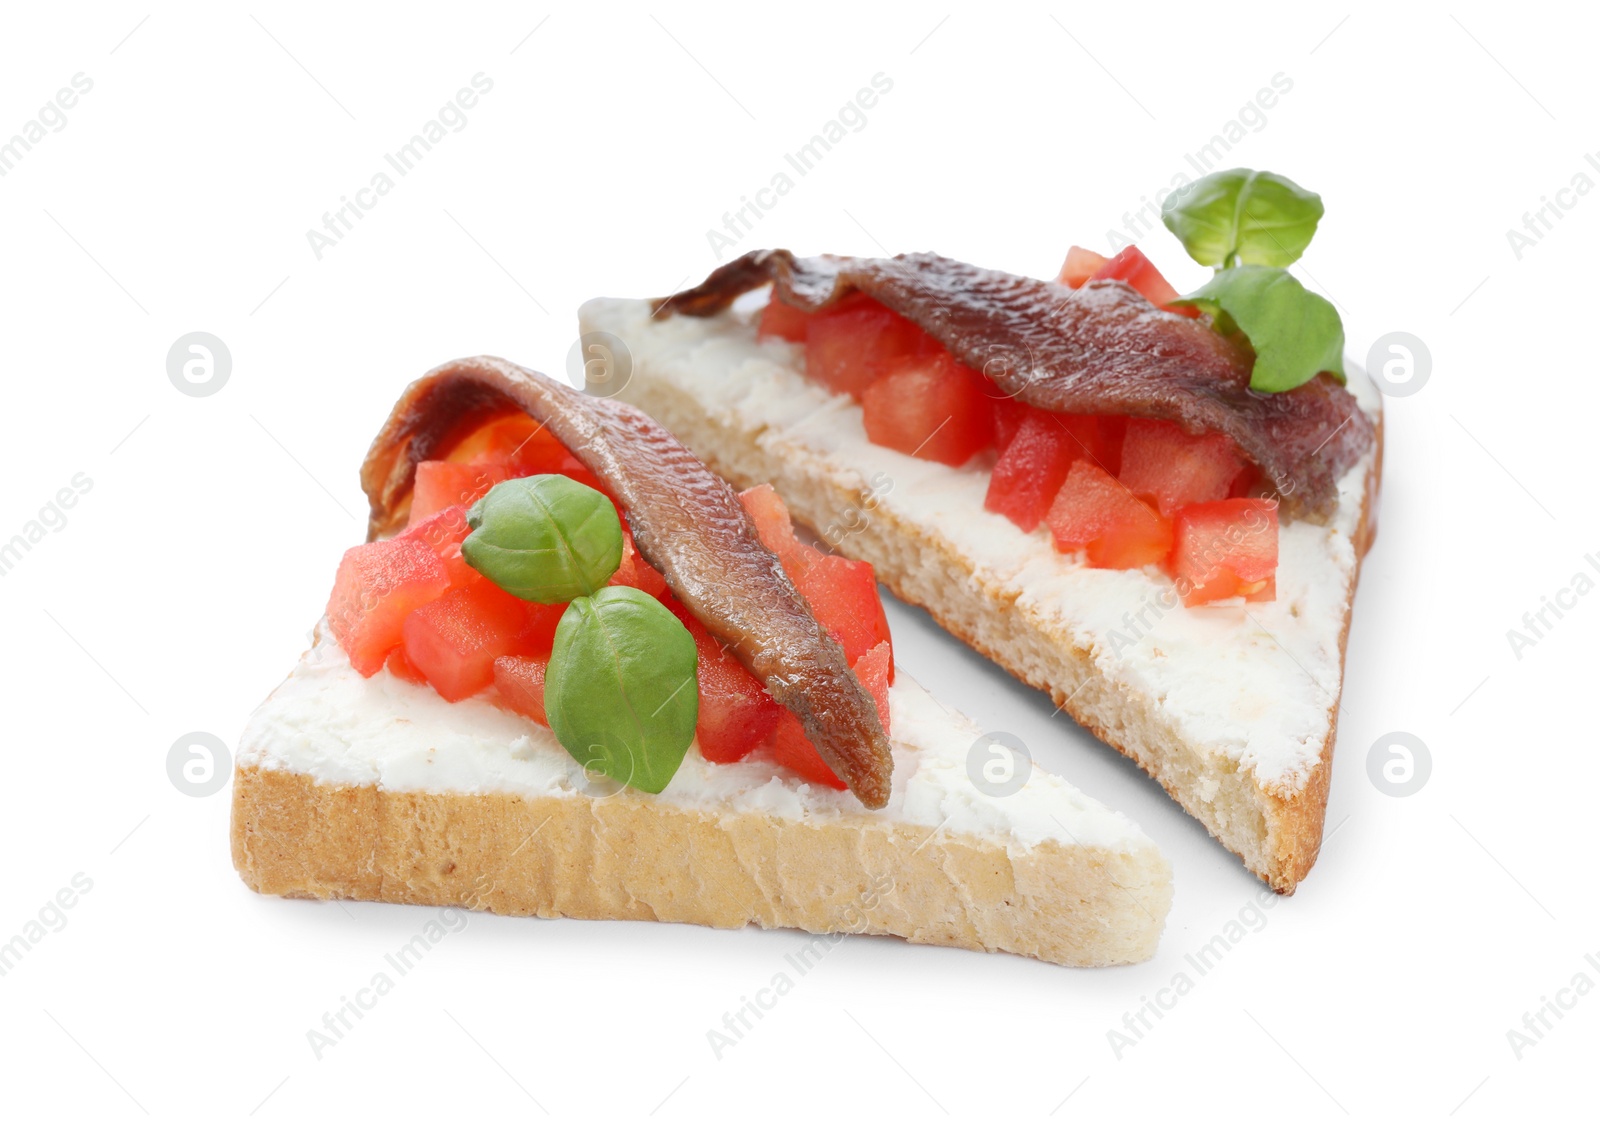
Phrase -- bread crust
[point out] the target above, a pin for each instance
(1277, 833)
(631, 856)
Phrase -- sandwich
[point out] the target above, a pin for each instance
(1152, 507)
(572, 673)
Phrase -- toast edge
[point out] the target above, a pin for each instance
(631, 858)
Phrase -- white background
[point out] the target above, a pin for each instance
(177, 198)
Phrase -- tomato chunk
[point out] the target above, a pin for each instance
(377, 586)
(1165, 464)
(853, 343)
(776, 529)
(1029, 475)
(518, 441)
(1080, 266)
(1130, 266)
(441, 485)
(455, 640)
(1008, 412)
(794, 751)
(1097, 514)
(843, 595)
(1226, 548)
(635, 571)
(779, 319)
(519, 680)
(930, 406)
(736, 712)
(443, 533)
(400, 667)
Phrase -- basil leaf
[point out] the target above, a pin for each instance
(1295, 334)
(546, 538)
(1242, 217)
(620, 691)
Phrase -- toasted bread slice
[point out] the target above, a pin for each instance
(379, 789)
(1233, 708)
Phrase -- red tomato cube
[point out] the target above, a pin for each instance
(1009, 412)
(1080, 266)
(736, 712)
(378, 585)
(1130, 266)
(635, 571)
(794, 751)
(1029, 475)
(779, 319)
(440, 485)
(518, 441)
(1165, 464)
(455, 640)
(519, 680)
(930, 406)
(400, 667)
(443, 533)
(776, 529)
(1116, 529)
(843, 595)
(1226, 548)
(853, 343)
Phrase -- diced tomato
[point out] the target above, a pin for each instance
(1029, 475)
(400, 667)
(736, 712)
(1165, 464)
(1009, 412)
(779, 319)
(853, 343)
(1117, 530)
(1080, 266)
(455, 640)
(378, 585)
(441, 485)
(443, 533)
(1130, 266)
(1226, 548)
(843, 595)
(635, 571)
(776, 529)
(876, 672)
(519, 679)
(794, 751)
(517, 441)
(930, 406)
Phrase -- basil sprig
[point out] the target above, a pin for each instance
(621, 689)
(1250, 226)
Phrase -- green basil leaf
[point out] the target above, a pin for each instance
(621, 691)
(546, 538)
(1295, 334)
(1242, 217)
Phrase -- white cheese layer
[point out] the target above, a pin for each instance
(329, 722)
(1253, 684)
